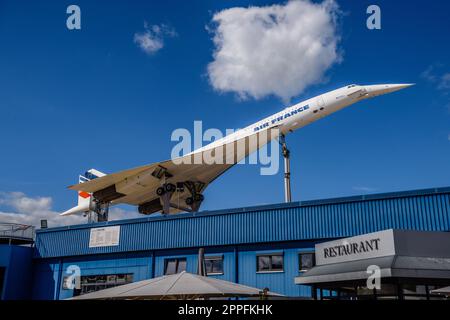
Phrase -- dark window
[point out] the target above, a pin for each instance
(214, 265)
(175, 265)
(306, 261)
(272, 262)
(99, 282)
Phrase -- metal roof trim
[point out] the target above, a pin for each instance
(307, 203)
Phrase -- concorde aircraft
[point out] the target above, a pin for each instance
(177, 184)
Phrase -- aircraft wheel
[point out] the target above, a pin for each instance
(170, 187)
(199, 197)
(160, 191)
(189, 201)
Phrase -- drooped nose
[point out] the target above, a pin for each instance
(379, 89)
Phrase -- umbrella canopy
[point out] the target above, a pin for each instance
(183, 285)
(445, 290)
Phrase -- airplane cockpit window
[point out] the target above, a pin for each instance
(351, 86)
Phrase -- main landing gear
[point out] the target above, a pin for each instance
(99, 213)
(166, 191)
(196, 198)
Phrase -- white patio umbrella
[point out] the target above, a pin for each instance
(183, 285)
(444, 291)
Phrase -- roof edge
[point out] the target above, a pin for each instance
(306, 203)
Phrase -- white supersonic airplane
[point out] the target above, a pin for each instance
(162, 186)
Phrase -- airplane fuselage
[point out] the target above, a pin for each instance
(308, 111)
(152, 186)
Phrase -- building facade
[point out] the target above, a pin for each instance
(263, 246)
(389, 264)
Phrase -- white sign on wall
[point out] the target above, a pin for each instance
(371, 245)
(104, 237)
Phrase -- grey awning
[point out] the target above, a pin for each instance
(390, 267)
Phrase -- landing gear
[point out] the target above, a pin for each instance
(165, 193)
(196, 198)
(193, 202)
(189, 201)
(170, 187)
(100, 212)
(166, 188)
(199, 197)
(160, 191)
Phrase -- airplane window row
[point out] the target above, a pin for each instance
(322, 108)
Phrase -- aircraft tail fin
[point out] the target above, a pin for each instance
(84, 198)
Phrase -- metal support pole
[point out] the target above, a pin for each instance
(287, 169)
(201, 268)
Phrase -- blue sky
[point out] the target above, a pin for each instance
(91, 98)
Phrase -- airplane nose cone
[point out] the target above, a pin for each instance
(379, 89)
(396, 87)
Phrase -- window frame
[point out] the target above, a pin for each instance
(177, 264)
(300, 254)
(214, 258)
(270, 255)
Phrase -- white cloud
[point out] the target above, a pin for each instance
(152, 39)
(23, 204)
(22, 209)
(444, 82)
(435, 75)
(30, 210)
(428, 74)
(278, 49)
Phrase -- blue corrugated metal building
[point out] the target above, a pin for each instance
(257, 246)
(16, 253)
(15, 272)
